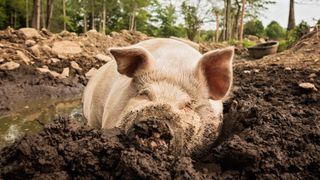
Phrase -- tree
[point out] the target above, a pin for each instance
(241, 20)
(192, 21)
(36, 14)
(167, 17)
(254, 27)
(275, 31)
(291, 20)
(49, 11)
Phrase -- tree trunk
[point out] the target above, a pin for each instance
(49, 13)
(292, 20)
(36, 14)
(224, 21)
(93, 26)
(43, 15)
(104, 18)
(241, 20)
(228, 20)
(27, 13)
(235, 32)
(64, 15)
(85, 22)
(217, 25)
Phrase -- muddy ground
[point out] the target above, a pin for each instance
(271, 131)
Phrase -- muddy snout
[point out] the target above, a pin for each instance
(155, 128)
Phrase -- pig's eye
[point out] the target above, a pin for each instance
(188, 105)
(145, 94)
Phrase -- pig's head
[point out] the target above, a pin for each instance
(182, 111)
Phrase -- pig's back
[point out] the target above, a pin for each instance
(171, 54)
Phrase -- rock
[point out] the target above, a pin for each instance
(278, 58)
(1, 60)
(287, 69)
(246, 71)
(1, 45)
(55, 60)
(23, 57)
(30, 42)
(91, 72)
(53, 73)
(9, 66)
(75, 65)
(313, 75)
(256, 70)
(46, 32)
(253, 38)
(66, 48)
(308, 86)
(65, 72)
(104, 58)
(35, 50)
(46, 48)
(261, 40)
(29, 33)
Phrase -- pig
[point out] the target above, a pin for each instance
(162, 83)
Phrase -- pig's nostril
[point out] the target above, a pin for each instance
(151, 134)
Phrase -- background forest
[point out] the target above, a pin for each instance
(233, 19)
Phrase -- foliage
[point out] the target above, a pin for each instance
(283, 45)
(275, 31)
(192, 21)
(247, 43)
(254, 27)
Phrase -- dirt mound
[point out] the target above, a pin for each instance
(271, 130)
(36, 65)
(304, 54)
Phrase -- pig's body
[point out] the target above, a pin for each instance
(111, 100)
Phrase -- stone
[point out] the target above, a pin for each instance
(313, 75)
(35, 50)
(1, 60)
(65, 72)
(308, 86)
(55, 60)
(46, 48)
(75, 65)
(66, 48)
(104, 58)
(53, 73)
(30, 33)
(91, 72)
(246, 71)
(30, 42)
(287, 69)
(9, 66)
(256, 70)
(23, 57)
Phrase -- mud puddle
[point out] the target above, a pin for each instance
(32, 118)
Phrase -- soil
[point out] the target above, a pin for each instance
(21, 86)
(271, 131)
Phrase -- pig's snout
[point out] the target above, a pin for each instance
(151, 134)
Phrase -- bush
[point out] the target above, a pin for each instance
(254, 27)
(275, 31)
(294, 35)
(247, 43)
(283, 45)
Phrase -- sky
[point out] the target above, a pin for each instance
(307, 11)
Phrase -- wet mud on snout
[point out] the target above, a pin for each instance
(271, 130)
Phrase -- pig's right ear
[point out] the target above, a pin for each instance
(132, 60)
(215, 68)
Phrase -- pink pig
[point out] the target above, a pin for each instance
(162, 83)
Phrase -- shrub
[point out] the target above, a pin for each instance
(275, 31)
(254, 27)
(247, 43)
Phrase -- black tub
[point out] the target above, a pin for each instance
(263, 49)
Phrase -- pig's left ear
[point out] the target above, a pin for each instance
(132, 60)
(216, 69)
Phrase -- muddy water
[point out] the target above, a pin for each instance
(32, 117)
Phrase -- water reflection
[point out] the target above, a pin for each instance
(29, 119)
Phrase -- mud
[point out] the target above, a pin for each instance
(271, 130)
(20, 87)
